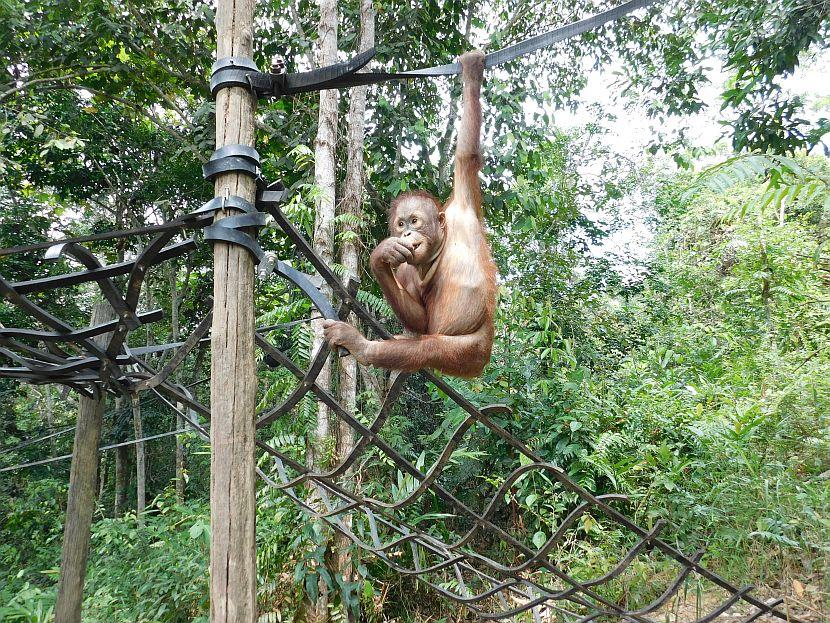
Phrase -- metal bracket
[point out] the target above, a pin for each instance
(273, 194)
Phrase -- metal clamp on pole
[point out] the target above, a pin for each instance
(273, 194)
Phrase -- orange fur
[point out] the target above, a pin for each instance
(451, 302)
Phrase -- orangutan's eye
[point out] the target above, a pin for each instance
(400, 223)
(414, 221)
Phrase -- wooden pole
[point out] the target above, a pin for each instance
(80, 503)
(233, 378)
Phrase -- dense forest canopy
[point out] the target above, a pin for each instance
(692, 378)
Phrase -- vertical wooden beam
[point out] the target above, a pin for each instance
(233, 379)
(80, 503)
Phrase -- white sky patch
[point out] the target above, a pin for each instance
(630, 131)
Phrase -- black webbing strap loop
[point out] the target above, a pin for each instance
(221, 203)
(237, 71)
(229, 229)
(493, 59)
(232, 159)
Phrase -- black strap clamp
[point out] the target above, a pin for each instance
(232, 159)
(238, 71)
(230, 229)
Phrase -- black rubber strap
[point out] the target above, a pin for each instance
(239, 221)
(233, 62)
(232, 158)
(304, 282)
(343, 75)
(229, 229)
(288, 84)
(493, 59)
(221, 203)
(234, 236)
(237, 71)
(565, 32)
(231, 71)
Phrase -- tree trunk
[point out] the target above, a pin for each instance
(140, 461)
(121, 466)
(81, 500)
(233, 373)
(350, 259)
(324, 179)
(121, 472)
(104, 476)
(50, 420)
(179, 424)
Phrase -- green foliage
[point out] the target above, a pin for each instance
(696, 388)
(788, 182)
(160, 569)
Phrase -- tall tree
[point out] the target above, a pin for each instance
(140, 460)
(352, 209)
(81, 500)
(324, 179)
(122, 459)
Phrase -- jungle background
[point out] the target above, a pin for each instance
(663, 324)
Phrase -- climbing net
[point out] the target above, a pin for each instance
(482, 563)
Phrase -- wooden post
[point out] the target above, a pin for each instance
(233, 378)
(80, 503)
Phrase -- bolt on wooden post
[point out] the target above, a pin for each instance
(233, 375)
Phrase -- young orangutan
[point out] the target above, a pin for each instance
(435, 269)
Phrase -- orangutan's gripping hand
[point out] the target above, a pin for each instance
(343, 334)
(393, 251)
